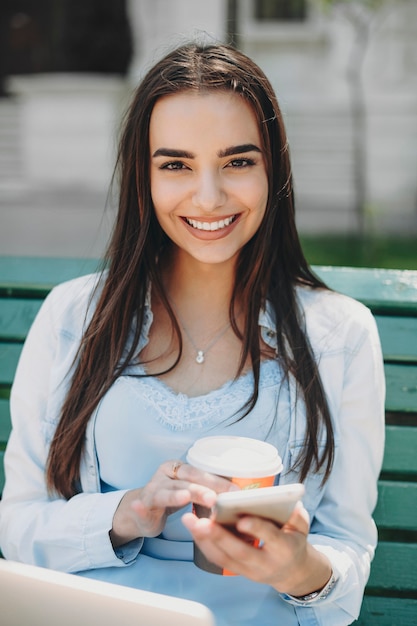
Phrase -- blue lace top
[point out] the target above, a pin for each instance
(162, 425)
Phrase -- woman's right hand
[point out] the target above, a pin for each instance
(143, 512)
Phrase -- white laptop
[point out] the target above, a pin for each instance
(34, 596)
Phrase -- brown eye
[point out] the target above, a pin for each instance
(243, 162)
(173, 165)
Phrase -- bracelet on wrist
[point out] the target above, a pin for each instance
(320, 594)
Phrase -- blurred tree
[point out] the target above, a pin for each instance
(232, 23)
(361, 15)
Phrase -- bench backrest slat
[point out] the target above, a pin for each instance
(397, 505)
(16, 317)
(400, 455)
(401, 382)
(41, 273)
(4, 419)
(398, 338)
(384, 610)
(394, 567)
(384, 291)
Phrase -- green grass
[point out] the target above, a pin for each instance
(348, 250)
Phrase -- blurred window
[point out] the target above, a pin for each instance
(38, 36)
(280, 10)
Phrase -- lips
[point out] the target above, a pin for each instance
(210, 226)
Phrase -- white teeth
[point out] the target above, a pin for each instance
(211, 225)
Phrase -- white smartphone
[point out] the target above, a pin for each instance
(274, 503)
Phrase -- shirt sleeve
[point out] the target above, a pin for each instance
(342, 527)
(37, 527)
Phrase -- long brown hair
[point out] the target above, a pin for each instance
(269, 266)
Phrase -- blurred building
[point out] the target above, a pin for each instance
(346, 81)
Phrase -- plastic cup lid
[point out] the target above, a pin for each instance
(240, 457)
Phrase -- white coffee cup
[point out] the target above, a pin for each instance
(249, 463)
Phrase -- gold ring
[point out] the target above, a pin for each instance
(174, 469)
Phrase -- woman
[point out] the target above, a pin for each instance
(207, 321)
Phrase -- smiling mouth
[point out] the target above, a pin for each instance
(211, 226)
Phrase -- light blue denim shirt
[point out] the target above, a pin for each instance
(73, 535)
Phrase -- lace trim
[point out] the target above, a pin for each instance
(180, 411)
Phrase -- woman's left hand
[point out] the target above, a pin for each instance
(285, 560)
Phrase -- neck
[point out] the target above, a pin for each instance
(195, 285)
(200, 296)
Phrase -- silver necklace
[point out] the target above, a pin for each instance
(201, 354)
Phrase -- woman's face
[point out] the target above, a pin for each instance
(208, 176)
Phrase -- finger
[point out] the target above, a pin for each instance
(177, 470)
(267, 530)
(199, 494)
(174, 469)
(163, 498)
(210, 538)
(190, 521)
(189, 492)
(283, 549)
(176, 494)
(225, 548)
(299, 519)
(258, 558)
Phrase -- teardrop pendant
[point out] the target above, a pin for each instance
(200, 357)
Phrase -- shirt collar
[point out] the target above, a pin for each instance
(268, 326)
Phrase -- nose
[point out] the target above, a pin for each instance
(209, 193)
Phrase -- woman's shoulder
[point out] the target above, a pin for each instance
(329, 313)
(79, 290)
(337, 304)
(72, 303)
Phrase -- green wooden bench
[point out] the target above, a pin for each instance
(391, 594)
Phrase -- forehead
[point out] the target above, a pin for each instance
(221, 116)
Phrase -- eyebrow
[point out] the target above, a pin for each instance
(172, 152)
(246, 147)
(184, 154)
